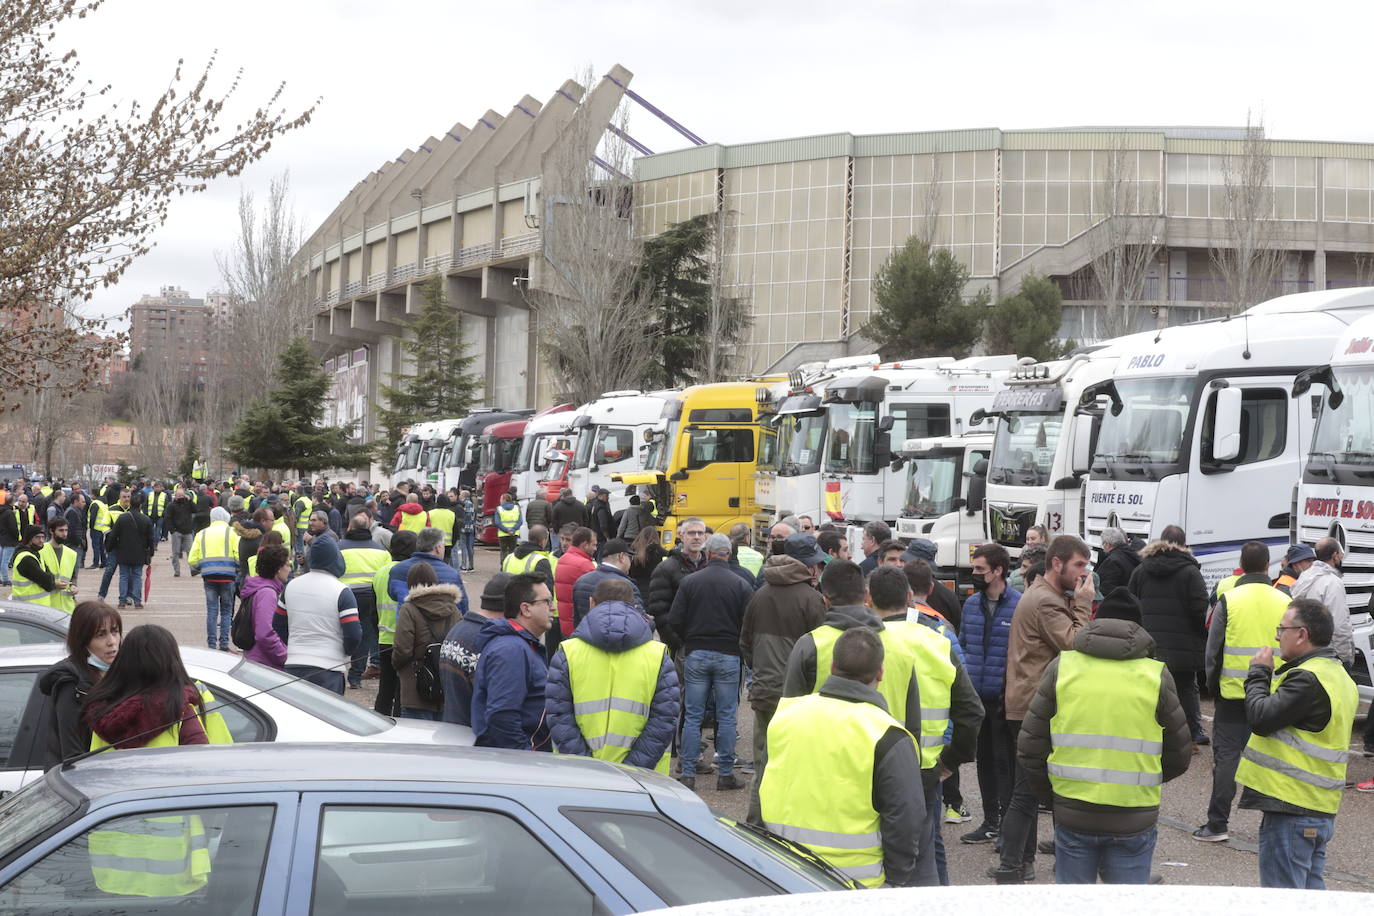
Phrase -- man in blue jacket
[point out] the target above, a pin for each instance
(429, 548)
(984, 632)
(508, 688)
(615, 635)
(615, 565)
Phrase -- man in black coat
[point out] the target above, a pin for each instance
(1120, 557)
(567, 509)
(600, 519)
(667, 577)
(132, 542)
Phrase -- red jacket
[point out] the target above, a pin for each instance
(573, 565)
(408, 509)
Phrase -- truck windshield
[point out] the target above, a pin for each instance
(408, 456)
(849, 448)
(1345, 434)
(1023, 451)
(800, 437)
(524, 460)
(458, 451)
(932, 485)
(768, 444)
(660, 450)
(498, 455)
(1149, 430)
(430, 457)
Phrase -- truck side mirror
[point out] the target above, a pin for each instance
(977, 487)
(1082, 444)
(977, 417)
(1226, 442)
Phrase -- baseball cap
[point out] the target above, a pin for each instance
(802, 546)
(494, 592)
(615, 546)
(1299, 552)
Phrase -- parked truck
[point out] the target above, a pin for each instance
(945, 480)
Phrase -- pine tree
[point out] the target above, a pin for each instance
(283, 429)
(188, 458)
(919, 308)
(442, 386)
(1027, 323)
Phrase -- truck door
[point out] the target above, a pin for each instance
(970, 525)
(717, 463)
(1248, 497)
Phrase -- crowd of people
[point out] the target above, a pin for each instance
(1072, 688)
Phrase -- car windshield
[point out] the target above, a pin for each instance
(1023, 451)
(1345, 434)
(800, 437)
(30, 812)
(932, 485)
(1152, 423)
(316, 701)
(849, 447)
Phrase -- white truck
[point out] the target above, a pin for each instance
(1335, 494)
(548, 437)
(408, 465)
(944, 500)
(613, 434)
(1200, 429)
(461, 445)
(866, 413)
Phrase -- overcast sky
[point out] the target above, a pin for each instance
(391, 74)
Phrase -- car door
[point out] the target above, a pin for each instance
(23, 713)
(81, 867)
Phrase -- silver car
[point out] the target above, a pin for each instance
(258, 704)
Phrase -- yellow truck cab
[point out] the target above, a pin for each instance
(701, 461)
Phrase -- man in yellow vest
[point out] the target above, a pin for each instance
(507, 519)
(157, 511)
(388, 701)
(445, 519)
(98, 523)
(362, 558)
(300, 510)
(16, 516)
(1105, 730)
(612, 690)
(114, 511)
(1243, 623)
(843, 774)
(42, 576)
(1294, 764)
(749, 559)
(215, 558)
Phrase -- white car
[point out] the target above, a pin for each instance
(258, 704)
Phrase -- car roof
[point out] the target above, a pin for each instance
(49, 653)
(285, 763)
(23, 610)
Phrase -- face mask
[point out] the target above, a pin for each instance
(97, 663)
(980, 581)
(779, 548)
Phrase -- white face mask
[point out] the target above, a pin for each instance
(97, 663)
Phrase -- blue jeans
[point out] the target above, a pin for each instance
(932, 870)
(111, 564)
(717, 675)
(6, 558)
(97, 549)
(1292, 850)
(321, 677)
(130, 583)
(219, 608)
(553, 541)
(469, 540)
(1079, 858)
(158, 529)
(410, 712)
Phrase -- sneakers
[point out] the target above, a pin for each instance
(957, 815)
(744, 766)
(1366, 786)
(727, 783)
(123, 605)
(688, 781)
(1015, 874)
(138, 605)
(984, 834)
(1202, 739)
(1207, 835)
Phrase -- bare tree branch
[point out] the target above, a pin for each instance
(1127, 224)
(1249, 258)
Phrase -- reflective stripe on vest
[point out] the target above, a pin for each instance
(810, 739)
(303, 515)
(909, 650)
(1106, 741)
(62, 569)
(509, 518)
(612, 693)
(1253, 611)
(361, 564)
(386, 606)
(151, 856)
(1304, 768)
(224, 563)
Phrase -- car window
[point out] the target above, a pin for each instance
(318, 702)
(708, 446)
(15, 689)
(192, 859)
(243, 725)
(384, 859)
(678, 867)
(20, 633)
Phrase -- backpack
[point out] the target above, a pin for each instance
(426, 668)
(241, 628)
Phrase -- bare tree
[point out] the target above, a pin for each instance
(1127, 223)
(727, 312)
(1249, 258)
(83, 185)
(932, 201)
(593, 317)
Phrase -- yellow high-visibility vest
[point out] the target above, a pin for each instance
(612, 693)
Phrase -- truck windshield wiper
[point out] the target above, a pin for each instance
(1328, 463)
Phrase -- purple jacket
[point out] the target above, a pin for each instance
(268, 649)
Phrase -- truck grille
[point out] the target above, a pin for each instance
(1007, 525)
(1358, 572)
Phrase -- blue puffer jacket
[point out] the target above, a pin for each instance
(587, 583)
(985, 643)
(615, 627)
(508, 688)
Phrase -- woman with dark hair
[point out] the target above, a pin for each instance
(429, 612)
(263, 590)
(147, 699)
(93, 636)
(645, 555)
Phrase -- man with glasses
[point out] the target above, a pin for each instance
(508, 686)
(667, 577)
(806, 525)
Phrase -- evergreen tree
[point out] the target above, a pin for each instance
(284, 430)
(919, 308)
(188, 458)
(1027, 322)
(442, 386)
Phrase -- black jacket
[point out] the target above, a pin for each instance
(663, 585)
(708, 609)
(181, 515)
(10, 524)
(131, 539)
(642, 575)
(601, 521)
(1116, 567)
(67, 684)
(1118, 640)
(567, 509)
(76, 527)
(1173, 603)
